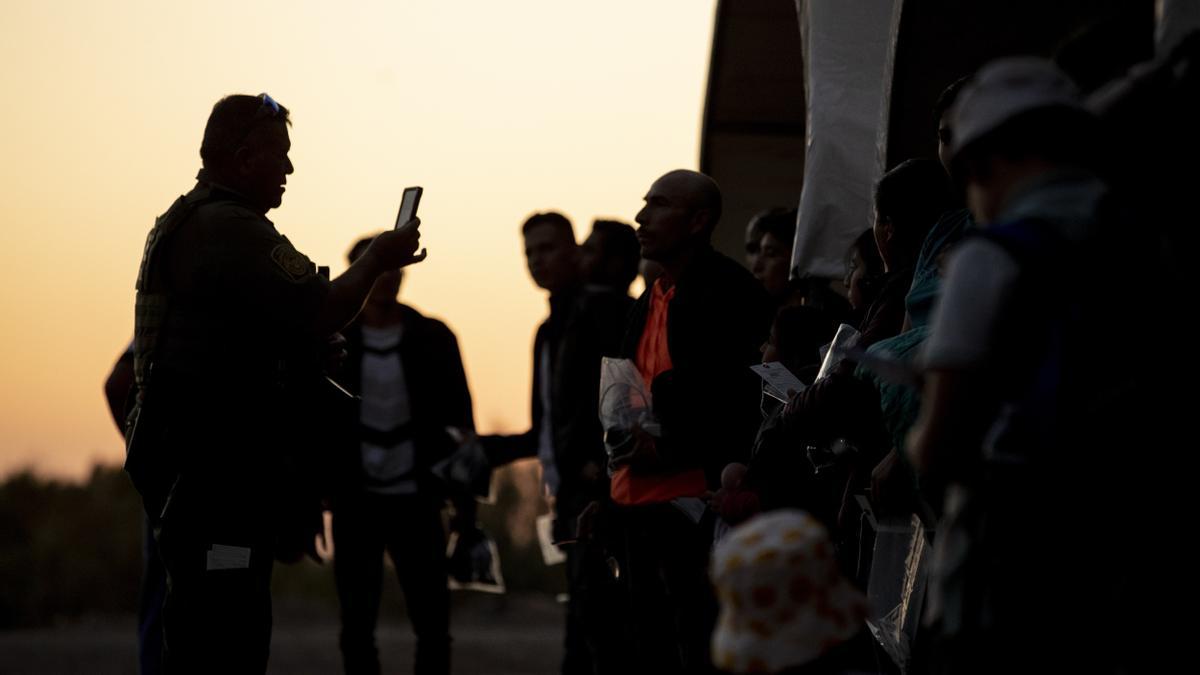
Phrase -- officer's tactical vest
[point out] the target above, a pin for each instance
(151, 309)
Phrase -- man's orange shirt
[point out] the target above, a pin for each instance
(653, 358)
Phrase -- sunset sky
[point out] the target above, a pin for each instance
(498, 109)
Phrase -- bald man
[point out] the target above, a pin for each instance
(693, 335)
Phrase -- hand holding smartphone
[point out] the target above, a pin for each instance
(408, 205)
(408, 210)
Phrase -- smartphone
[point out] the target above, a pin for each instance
(408, 205)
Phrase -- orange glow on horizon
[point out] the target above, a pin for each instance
(498, 110)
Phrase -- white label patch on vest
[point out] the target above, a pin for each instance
(295, 263)
(222, 557)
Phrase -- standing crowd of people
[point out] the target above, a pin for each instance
(981, 391)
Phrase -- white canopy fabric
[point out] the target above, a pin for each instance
(848, 50)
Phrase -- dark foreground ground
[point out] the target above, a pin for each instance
(496, 635)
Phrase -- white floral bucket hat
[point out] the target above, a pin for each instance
(784, 602)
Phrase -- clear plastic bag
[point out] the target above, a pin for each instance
(467, 469)
(896, 588)
(845, 340)
(624, 403)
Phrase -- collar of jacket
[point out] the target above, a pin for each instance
(205, 179)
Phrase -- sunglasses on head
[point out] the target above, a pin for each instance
(268, 109)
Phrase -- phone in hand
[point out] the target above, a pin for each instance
(408, 205)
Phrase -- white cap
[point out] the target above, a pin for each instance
(1004, 89)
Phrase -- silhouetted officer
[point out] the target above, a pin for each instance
(230, 320)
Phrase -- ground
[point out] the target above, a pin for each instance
(498, 635)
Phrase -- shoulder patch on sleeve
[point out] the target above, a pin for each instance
(294, 263)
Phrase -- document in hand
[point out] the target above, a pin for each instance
(779, 380)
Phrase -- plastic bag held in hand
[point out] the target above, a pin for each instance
(624, 404)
